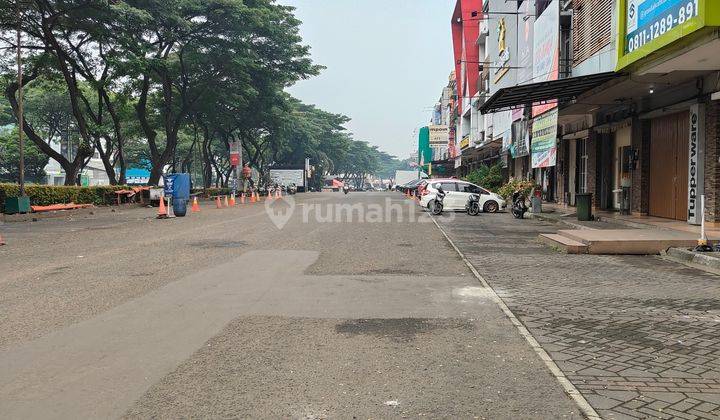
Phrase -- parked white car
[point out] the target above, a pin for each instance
(457, 193)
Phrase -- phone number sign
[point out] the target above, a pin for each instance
(648, 20)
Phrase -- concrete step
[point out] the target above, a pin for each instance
(570, 246)
(629, 241)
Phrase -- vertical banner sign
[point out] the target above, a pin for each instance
(544, 135)
(526, 26)
(234, 153)
(696, 163)
(452, 151)
(546, 51)
(520, 139)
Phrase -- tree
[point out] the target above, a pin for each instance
(169, 84)
(191, 50)
(35, 160)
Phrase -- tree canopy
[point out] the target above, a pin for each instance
(170, 84)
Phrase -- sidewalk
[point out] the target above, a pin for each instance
(552, 211)
(639, 337)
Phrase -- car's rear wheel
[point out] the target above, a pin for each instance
(491, 207)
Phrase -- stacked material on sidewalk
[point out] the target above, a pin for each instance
(58, 207)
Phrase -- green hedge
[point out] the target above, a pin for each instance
(44, 195)
(211, 192)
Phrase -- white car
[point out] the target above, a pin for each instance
(457, 193)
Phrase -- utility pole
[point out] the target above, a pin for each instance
(20, 104)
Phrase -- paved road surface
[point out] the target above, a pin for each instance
(222, 314)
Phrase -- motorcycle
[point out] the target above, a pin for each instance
(437, 206)
(472, 207)
(346, 189)
(519, 208)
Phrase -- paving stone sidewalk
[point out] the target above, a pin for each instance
(637, 335)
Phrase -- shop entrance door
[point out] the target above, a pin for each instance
(669, 166)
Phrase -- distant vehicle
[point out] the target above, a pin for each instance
(411, 186)
(288, 176)
(346, 189)
(457, 193)
(403, 177)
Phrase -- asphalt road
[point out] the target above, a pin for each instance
(356, 308)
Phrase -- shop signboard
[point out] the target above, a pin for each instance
(424, 150)
(546, 51)
(696, 163)
(544, 140)
(502, 61)
(526, 24)
(649, 25)
(438, 135)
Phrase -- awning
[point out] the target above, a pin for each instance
(554, 90)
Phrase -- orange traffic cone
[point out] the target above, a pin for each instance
(225, 201)
(1, 241)
(217, 202)
(269, 196)
(195, 206)
(242, 198)
(162, 211)
(232, 200)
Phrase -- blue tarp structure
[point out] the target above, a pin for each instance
(137, 176)
(178, 185)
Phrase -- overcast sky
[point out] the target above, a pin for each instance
(387, 62)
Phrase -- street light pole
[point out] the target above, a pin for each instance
(20, 105)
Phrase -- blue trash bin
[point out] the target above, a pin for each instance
(178, 185)
(179, 207)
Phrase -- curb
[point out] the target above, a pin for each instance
(585, 407)
(58, 214)
(560, 220)
(702, 261)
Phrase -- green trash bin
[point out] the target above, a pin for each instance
(15, 205)
(584, 206)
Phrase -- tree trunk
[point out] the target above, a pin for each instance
(155, 174)
(109, 167)
(71, 169)
(207, 165)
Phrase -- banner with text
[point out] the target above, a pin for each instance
(544, 140)
(546, 50)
